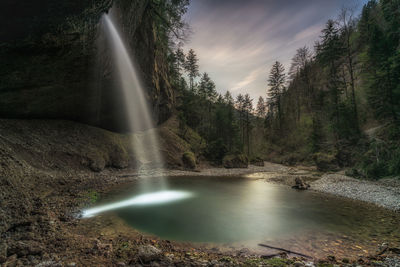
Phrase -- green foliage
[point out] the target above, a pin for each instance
(192, 67)
(325, 161)
(92, 196)
(394, 162)
(215, 118)
(382, 158)
(353, 72)
(379, 26)
(235, 161)
(189, 160)
(216, 150)
(352, 81)
(169, 17)
(276, 82)
(261, 108)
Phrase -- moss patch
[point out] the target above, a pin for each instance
(189, 160)
(235, 161)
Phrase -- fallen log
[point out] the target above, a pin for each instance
(286, 250)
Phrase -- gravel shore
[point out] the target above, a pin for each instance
(384, 193)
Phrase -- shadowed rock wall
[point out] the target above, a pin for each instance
(51, 66)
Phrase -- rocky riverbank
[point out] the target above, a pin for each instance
(384, 193)
(50, 169)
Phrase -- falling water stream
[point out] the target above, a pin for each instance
(145, 139)
(139, 117)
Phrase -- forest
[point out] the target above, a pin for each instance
(337, 106)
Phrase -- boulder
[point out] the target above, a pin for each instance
(189, 160)
(257, 162)
(149, 253)
(235, 161)
(97, 164)
(300, 184)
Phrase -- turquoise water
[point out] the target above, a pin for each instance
(226, 209)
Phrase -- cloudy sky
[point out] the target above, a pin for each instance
(237, 41)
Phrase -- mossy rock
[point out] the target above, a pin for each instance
(189, 160)
(236, 161)
(325, 162)
(257, 161)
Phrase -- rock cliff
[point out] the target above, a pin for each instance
(53, 66)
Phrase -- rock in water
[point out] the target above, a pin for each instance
(300, 184)
(149, 253)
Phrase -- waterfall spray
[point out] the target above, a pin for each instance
(145, 142)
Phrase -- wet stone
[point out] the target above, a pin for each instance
(149, 253)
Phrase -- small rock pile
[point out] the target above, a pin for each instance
(300, 184)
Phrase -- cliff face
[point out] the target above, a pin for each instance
(52, 65)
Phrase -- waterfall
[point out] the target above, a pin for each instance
(140, 122)
(145, 141)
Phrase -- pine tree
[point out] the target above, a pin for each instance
(379, 25)
(206, 88)
(180, 60)
(240, 107)
(300, 61)
(329, 53)
(347, 30)
(192, 67)
(228, 98)
(261, 108)
(231, 130)
(276, 81)
(248, 109)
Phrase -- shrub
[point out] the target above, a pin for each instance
(236, 161)
(189, 160)
(324, 161)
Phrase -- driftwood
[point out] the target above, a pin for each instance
(285, 250)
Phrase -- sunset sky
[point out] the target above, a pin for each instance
(237, 41)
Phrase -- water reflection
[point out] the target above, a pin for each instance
(227, 210)
(158, 198)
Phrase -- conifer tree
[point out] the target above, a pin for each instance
(192, 67)
(180, 60)
(248, 109)
(347, 24)
(261, 107)
(240, 107)
(330, 50)
(276, 82)
(228, 98)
